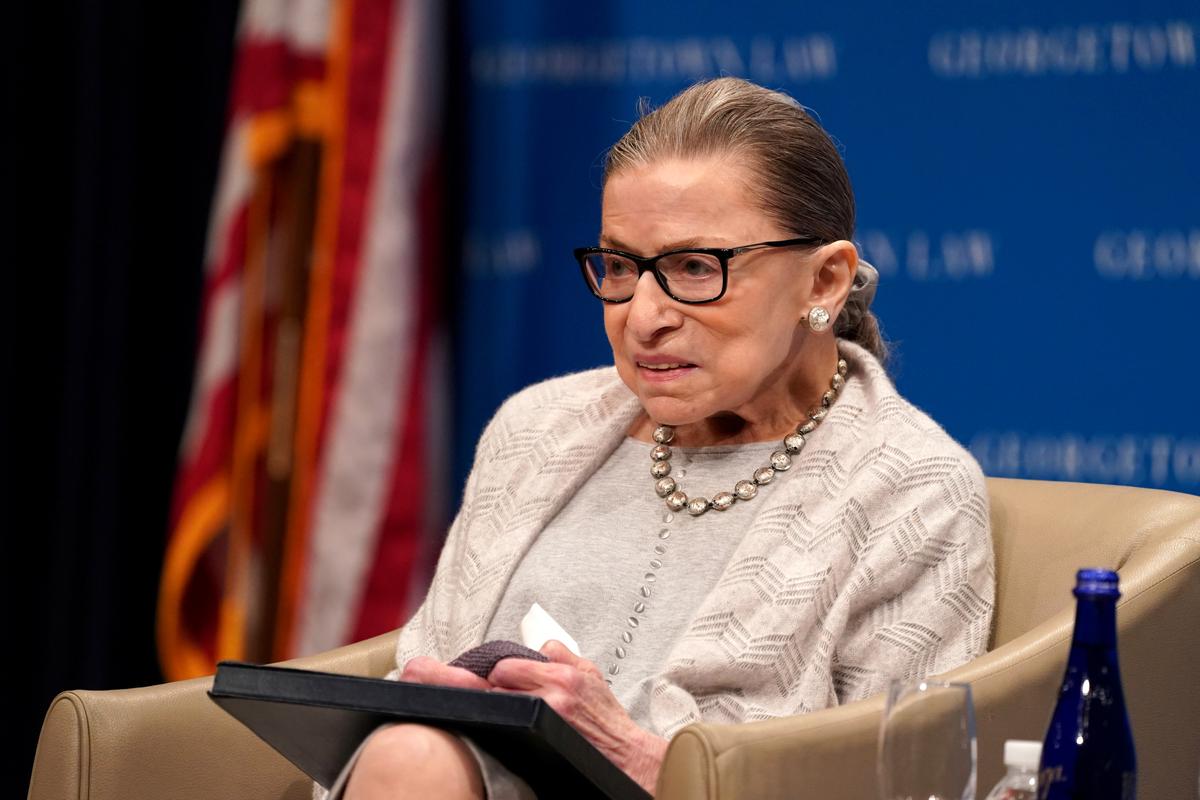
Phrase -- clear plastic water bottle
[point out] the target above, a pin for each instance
(1020, 782)
(1088, 752)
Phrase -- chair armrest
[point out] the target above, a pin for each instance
(831, 754)
(827, 754)
(172, 741)
(160, 741)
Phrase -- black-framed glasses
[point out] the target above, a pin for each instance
(695, 275)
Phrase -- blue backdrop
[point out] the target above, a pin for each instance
(1027, 183)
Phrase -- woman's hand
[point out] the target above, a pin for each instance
(423, 669)
(575, 688)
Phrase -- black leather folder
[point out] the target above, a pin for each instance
(317, 720)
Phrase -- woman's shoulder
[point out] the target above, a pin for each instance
(582, 410)
(891, 455)
(566, 391)
(883, 418)
(595, 396)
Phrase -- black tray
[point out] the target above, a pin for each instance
(317, 720)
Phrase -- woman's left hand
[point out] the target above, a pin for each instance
(432, 672)
(575, 688)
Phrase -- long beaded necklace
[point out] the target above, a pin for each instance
(781, 460)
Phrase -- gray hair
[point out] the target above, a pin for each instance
(802, 182)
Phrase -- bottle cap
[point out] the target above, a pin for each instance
(1096, 582)
(1020, 753)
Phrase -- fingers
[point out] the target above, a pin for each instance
(559, 653)
(577, 693)
(544, 679)
(418, 669)
(423, 669)
(524, 675)
(565, 672)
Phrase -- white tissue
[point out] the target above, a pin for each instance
(538, 627)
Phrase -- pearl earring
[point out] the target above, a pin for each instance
(818, 319)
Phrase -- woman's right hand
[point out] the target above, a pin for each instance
(423, 669)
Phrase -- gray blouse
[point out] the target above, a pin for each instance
(623, 574)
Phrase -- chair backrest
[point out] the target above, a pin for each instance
(1044, 531)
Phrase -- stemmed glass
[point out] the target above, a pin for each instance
(927, 742)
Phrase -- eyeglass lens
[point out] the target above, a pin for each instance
(689, 276)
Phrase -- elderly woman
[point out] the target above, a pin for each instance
(740, 519)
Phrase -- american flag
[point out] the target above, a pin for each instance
(307, 507)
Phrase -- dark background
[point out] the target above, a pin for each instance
(113, 126)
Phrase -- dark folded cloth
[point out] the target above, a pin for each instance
(483, 658)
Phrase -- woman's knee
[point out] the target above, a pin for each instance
(414, 758)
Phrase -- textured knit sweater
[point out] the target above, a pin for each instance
(872, 561)
(628, 601)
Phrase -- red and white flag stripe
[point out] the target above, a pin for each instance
(362, 79)
(358, 510)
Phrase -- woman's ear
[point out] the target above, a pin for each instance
(836, 264)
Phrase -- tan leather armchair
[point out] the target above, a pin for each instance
(170, 741)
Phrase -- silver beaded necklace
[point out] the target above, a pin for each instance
(781, 460)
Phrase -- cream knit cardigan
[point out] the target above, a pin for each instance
(872, 560)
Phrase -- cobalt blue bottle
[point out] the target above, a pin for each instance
(1088, 753)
